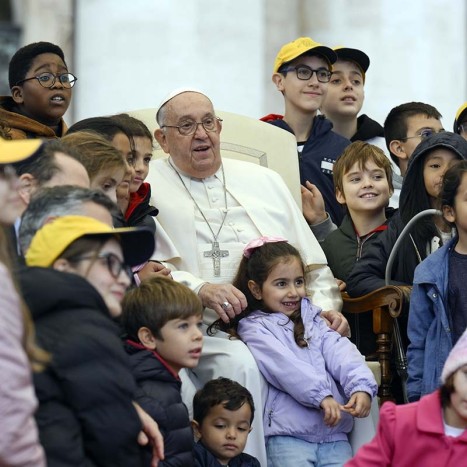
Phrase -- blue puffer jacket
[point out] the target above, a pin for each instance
(428, 328)
(321, 150)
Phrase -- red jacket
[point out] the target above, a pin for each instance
(412, 435)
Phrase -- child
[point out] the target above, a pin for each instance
(103, 162)
(163, 319)
(302, 70)
(317, 380)
(406, 126)
(438, 309)
(223, 411)
(460, 122)
(420, 191)
(139, 213)
(344, 101)
(40, 92)
(430, 432)
(363, 181)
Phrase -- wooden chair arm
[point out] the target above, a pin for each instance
(385, 304)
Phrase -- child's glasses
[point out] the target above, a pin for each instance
(113, 263)
(47, 80)
(423, 134)
(304, 73)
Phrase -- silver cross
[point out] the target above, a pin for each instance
(216, 254)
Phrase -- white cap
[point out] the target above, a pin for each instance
(175, 93)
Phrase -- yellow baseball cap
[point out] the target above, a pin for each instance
(300, 46)
(17, 150)
(459, 116)
(56, 236)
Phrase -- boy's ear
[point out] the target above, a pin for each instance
(448, 213)
(278, 80)
(255, 290)
(396, 147)
(161, 138)
(146, 337)
(340, 197)
(17, 94)
(196, 432)
(27, 186)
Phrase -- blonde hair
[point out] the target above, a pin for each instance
(95, 152)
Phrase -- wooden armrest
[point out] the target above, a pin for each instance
(385, 304)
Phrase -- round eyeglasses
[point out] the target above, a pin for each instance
(423, 134)
(189, 127)
(304, 73)
(47, 80)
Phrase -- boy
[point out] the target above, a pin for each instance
(163, 319)
(223, 411)
(344, 101)
(363, 181)
(40, 92)
(460, 122)
(302, 71)
(406, 126)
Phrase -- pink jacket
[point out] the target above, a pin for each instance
(411, 435)
(19, 442)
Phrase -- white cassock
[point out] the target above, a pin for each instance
(259, 203)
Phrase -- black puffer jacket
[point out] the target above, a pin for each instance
(159, 395)
(204, 458)
(86, 416)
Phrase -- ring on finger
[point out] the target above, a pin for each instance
(225, 305)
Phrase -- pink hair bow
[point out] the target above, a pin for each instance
(258, 242)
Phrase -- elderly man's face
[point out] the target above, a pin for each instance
(197, 155)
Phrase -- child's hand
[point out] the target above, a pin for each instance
(359, 405)
(332, 411)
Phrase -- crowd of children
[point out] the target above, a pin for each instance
(97, 331)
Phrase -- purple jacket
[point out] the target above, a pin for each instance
(300, 378)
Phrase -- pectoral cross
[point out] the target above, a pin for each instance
(216, 254)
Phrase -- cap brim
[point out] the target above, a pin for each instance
(354, 55)
(14, 151)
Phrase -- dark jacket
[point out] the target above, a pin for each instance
(321, 150)
(159, 395)
(204, 458)
(86, 416)
(368, 274)
(343, 249)
(139, 212)
(22, 127)
(367, 128)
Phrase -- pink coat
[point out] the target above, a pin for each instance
(411, 435)
(19, 442)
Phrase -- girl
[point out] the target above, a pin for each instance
(430, 432)
(139, 213)
(19, 443)
(74, 292)
(103, 162)
(438, 306)
(317, 380)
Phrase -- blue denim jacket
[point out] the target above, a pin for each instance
(428, 329)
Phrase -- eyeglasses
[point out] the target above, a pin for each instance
(462, 128)
(424, 134)
(304, 73)
(113, 263)
(47, 80)
(190, 127)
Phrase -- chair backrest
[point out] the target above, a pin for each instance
(249, 140)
